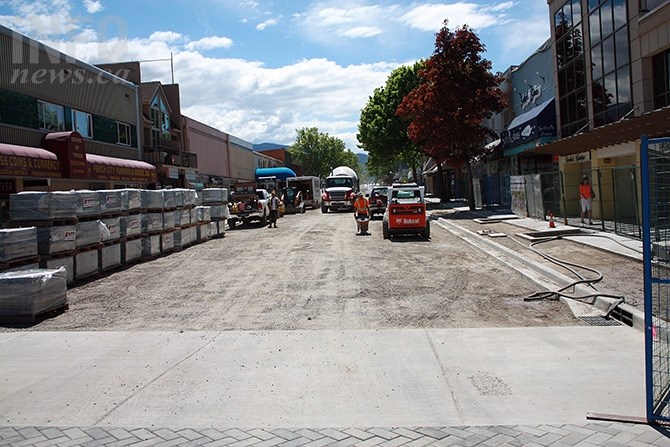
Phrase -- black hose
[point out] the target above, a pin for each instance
(556, 294)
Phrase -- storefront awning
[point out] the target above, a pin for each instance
(24, 161)
(120, 169)
(653, 124)
(281, 173)
(527, 128)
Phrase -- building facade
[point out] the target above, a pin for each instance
(212, 147)
(161, 128)
(65, 124)
(611, 63)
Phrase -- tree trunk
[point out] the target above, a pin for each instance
(441, 187)
(417, 180)
(471, 188)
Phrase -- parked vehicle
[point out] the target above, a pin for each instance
(378, 200)
(309, 189)
(341, 188)
(248, 204)
(406, 211)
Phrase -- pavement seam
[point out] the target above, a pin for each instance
(155, 379)
(450, 387)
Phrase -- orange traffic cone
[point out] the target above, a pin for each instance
(552, 224)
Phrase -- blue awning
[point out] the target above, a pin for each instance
(530, 127)
(281, 173)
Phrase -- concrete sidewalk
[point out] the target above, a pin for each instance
(406, 378)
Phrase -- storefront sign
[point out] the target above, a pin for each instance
(189, 175)
(71, 151)
(7, 186)
(70, 148)
(20, 166)
(121, 173)
(173, 173)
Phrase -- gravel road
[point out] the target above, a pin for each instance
(313, 272)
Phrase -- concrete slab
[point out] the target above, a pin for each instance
(321, 378)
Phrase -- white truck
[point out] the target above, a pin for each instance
(341, 188)
(309, 189)
(247, 203)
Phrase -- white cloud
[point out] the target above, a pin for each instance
(93, 6)
(166, 36)
(268, 22)
(209, 43)
(322, 22)
(431, 17)
(41, 18)
(246, 98)
(361, 31)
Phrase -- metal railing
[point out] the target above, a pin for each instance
(655, 159)
(616, 207)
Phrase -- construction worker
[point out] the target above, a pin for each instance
(273, 204)
(361, 208)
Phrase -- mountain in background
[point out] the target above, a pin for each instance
(362, 158)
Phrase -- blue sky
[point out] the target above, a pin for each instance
(260, 70)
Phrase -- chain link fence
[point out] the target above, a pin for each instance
(655, 156)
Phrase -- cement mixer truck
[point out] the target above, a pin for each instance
(340, 191)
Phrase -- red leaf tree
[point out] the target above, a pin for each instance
(447, 111)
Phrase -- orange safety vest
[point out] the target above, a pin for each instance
(361, 205)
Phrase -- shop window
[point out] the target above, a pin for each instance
(594, 27)
(51, 116)
(18, 109)
(81, 122)
(123, 132)
(661, 79)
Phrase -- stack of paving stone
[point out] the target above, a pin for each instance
(54, 214)
(152, 206)
(170, 217)
(204, 218)
(28, 294)
(186, 219)
(217, 200)
(88, 232)
(18, 249)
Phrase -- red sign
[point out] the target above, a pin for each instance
(71, 151)
(70, 147)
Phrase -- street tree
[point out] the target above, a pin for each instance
(318, 153)
(448, 109)
(382, 132)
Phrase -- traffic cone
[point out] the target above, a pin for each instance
(552, 224)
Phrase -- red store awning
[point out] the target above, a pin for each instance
(119, 169)
(24, 161)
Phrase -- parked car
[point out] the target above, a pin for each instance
(406, 211)
(378, 200)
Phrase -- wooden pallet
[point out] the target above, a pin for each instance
(20, 262)
(31, 319)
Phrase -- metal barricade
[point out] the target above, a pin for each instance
(655, 163)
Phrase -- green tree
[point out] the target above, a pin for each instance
(447, 111)
(318, 153)
(383, 133)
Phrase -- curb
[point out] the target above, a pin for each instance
(539, 274)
